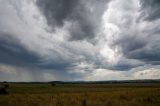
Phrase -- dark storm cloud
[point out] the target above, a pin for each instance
(14, 53)
(149, 55)
(11, 52)
(142, 44)
(55, 40)
(83, 14)
(150, 9)
(56, 11)
(144, 48)
(130, 43)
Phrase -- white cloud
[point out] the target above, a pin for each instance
(49, 77)
(104, 74)
(150, 73)
(141, 72)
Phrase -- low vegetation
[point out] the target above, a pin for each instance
(82, 94)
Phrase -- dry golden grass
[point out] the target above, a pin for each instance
(73, 95)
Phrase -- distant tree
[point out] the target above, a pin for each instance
(53, 84)
(6, 85)
(4, 81)
(3, 91)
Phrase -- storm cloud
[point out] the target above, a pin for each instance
(150, 9)
(44, 40)
(84, 16)
(140, 40)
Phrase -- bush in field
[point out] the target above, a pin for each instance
(53, 84)
(6, 86)
(3, 91)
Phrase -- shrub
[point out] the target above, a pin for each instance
(53, 84)
(6, 86)
(3, 91)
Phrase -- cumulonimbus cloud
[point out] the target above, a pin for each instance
(84, 16)
(79, 40)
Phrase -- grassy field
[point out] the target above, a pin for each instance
(136, 94)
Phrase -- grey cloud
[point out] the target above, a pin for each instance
(14, 53)
(139, 40)
(26, 45)
(130, 44)
(142, 47)
(56, 11)
(149, 55)
(83, 15)
(150, 9)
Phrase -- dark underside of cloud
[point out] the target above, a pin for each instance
(85, 22)
(12, 52)
(150, 9)
(141, 48)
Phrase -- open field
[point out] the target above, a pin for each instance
(125, 94)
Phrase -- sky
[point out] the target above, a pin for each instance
(79, 40)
